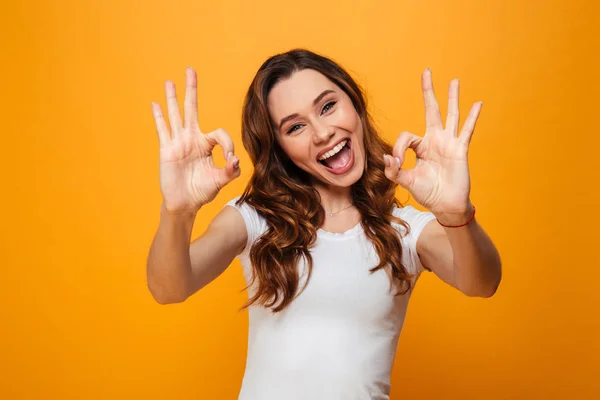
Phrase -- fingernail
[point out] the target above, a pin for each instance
(229, 155)
(397, 161)
(236, 163)
(386, 160)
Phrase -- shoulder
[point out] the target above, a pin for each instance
(243, 207)
(415, 219)
(256, 224)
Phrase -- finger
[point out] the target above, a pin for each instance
(452, 120)
(469, 127)
(395, 173)
(433, 118)
(405, 141)
(161, 125)
(173, 109)
(392, 166)
(229, 172)
(222, 138)
(406, 178)
(190, 106)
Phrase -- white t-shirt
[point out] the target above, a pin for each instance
(338, 339)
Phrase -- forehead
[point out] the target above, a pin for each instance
(296, 94)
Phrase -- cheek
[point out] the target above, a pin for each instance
(360, 138)
(349, 119)
(296, 150)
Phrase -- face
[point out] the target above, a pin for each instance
(318, 127)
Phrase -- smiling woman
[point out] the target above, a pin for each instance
(329, 254)
(315, 134)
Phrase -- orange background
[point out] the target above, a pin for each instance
(81, 194)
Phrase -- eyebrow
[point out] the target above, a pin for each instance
(314, 103)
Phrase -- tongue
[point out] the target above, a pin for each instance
(338, 160)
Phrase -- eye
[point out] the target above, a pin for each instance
(294, 128)
(328, 106)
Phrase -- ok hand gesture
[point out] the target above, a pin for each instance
(188, 176)
(440, 180)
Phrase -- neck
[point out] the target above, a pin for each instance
(334, 199)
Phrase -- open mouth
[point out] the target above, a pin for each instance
(339, 159)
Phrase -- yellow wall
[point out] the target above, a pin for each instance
(80, 193)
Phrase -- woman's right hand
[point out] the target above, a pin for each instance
(189, 178)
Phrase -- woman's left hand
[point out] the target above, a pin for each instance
(440, 180)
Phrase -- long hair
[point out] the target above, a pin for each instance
(282, 193)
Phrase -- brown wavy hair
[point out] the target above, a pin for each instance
(282, 193)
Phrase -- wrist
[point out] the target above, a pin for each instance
(456, 219)
(177, 214)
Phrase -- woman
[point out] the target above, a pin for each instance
(329, 255)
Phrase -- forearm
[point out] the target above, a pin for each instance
(477, 264)
(169, 270)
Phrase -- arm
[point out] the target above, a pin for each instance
(189, 179)
(177, 269)
(464, 257)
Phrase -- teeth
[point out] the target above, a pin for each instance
(333, 151)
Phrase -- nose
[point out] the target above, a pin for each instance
(322, 133)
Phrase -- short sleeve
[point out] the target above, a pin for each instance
(417, 220)
(255, 224)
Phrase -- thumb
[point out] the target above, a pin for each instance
(230, 171)
(394, 172)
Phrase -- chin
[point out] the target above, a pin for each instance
(351, 179)
(344, 181)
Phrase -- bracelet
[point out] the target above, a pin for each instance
(458, 226)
